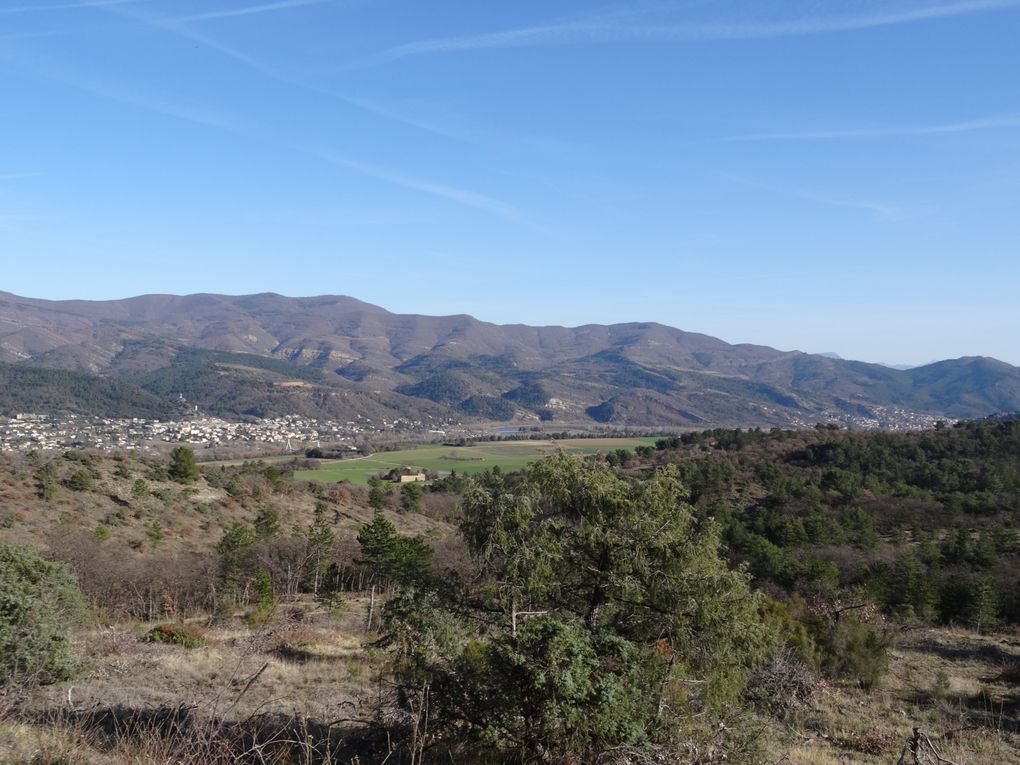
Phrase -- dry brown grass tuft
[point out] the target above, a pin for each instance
(178, 735)
(954, 685)
(1009, 674)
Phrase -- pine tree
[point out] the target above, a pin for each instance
(604, 616)
(183, 467)
(983, 608)
(378, 540)
(376, 497)
(267, 522)
(38, 601)
(410, 497)
(320, 538)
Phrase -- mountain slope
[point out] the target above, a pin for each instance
(254, 354)
(35, 389)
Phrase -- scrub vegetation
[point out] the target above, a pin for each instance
(816, 596)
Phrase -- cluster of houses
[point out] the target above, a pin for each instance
(882, 417)
(42, 431)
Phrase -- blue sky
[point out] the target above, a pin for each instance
(807, 174)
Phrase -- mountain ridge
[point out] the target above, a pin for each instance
(631, 373)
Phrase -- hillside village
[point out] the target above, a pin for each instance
(893, 418)
(27, 431)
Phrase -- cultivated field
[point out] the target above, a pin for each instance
(507, 455)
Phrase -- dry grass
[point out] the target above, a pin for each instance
(311, 668)
(267, 695)
(308, 668)
(45, 745)
(160, 737)
(953, 685)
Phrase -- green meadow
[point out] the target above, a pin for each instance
(508, 455)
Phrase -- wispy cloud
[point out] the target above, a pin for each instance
(17, 176)
(451, 193)
(29, 34)
(223, 13)
(431, 118)
(226, 122)
(969, 126)
(445, 127)
(442, 127)
(879, 210)
(83, 5)
(624, 27)
(147, 99)
(223, 121)
(326, 218)
(134, 11)
(249, 10)
(179, 26)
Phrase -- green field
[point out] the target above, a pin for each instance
(509, 455)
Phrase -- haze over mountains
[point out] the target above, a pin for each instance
(335, 356)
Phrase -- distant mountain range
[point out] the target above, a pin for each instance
(334, 356)
(831, 355)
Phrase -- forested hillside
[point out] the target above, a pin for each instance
(38, 390)
(923, 524)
